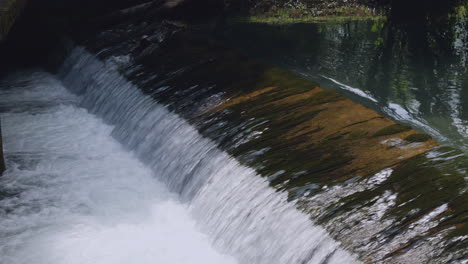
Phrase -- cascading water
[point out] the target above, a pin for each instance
(171, 148)
(237, 208)
(72, 194)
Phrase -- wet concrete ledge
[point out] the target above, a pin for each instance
(9, 12)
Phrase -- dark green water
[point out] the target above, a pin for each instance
(415, 73)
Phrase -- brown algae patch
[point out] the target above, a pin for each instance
(323, 126)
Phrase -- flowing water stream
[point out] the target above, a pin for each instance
(73, 194)
(90, 170)
(152, 143)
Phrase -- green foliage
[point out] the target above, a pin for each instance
(304, 19)
(461, 12)
(306, 11)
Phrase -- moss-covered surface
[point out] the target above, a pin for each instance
(392, 129)
(303, 19)
(304, 139)
(418, 138)
(331, 11)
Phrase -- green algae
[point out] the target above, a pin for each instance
(421, 185)
(458, 219)
(418, 138)
(358, 134)
(460, 231)
(392, 129)
(424, 183)
(424, 189)
(337, 137)
(348, 203)
(325, 96)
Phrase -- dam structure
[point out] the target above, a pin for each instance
(149, 134)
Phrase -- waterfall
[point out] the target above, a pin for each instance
(237, 209)
(73, 195)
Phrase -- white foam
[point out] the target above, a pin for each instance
(356, 91)
(236, 207)
(74, 195)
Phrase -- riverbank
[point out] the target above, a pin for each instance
(303, 14)
(305, 19)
